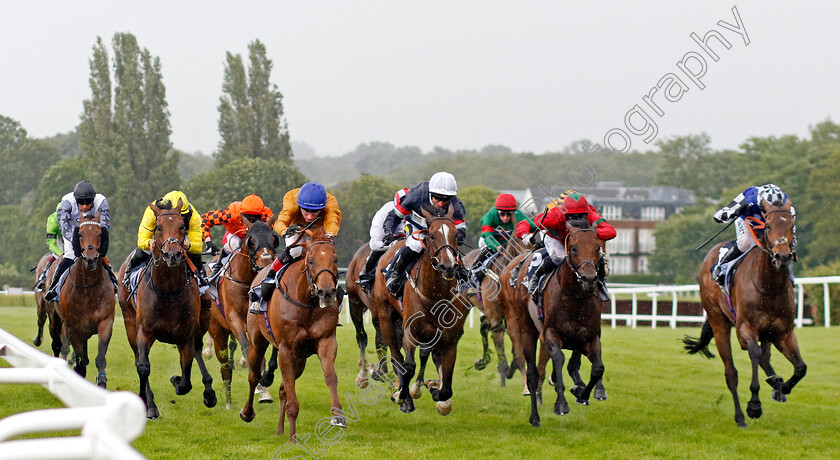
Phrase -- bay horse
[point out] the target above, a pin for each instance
(86, 302)
(572, 310)
(487, 299)
(762, 308)
(301, 321)
(166, 307)
(431, 315)
(48, 310)
(259, 247)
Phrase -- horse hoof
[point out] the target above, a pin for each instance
(600, 395)
(338, 421)
(525, 392)
(535, 423)
(152, 413)
(551, 379)
(243, 363)
(36, 341)
(267, 379)
(415, 390)
(561, 408)
(754, 409)
(395, 397)
(444, 407)
(180, 389)
(775, 381)
(228, 406)
(209, 399)
(362, 382)
(480, 364)
(207, 353)
(407, 406)
(101, 383)
(779, 396)
(582, 402)
(247, 418)
(576, 391)
(433, 384)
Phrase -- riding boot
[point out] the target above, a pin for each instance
(602, 278)
(39, 285)
(62, 267)
(477, 269)
(216, 266)
(404, 258)
(545, 267)
(367, 274)
(110, 271)
(733, 254)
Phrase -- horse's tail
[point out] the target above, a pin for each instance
(700, 345)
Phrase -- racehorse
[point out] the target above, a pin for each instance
(166, 307)
(301, 320)
(487, 298)
(257, 251)
(572, 310)
(48, 310)
(430, 316)
(86, 302)
(762, 308)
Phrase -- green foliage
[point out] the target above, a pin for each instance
(22, 161)
(251, 121)
(676, 239)
(359, 201)
(477, 200)
(191, 165)
(239, 178)
(816, 298)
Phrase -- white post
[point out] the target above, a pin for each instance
(471, 317)
(673, 309)
(654, 304)
(827, 304)
(612, 309)
(800, 306)
(633, 311)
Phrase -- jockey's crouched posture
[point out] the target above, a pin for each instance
(496, 227)
(251, 208)
(301, 207)
(146, 235)
(748, 204)
(377, 245)
(82, 201)
(436, 194)
(55, 246)
(554, 223)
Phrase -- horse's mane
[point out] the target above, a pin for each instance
(319, 234)
(160, 203)
(577, 220)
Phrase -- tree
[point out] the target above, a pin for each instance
(251, 121)
(22, 161)
(477, 200)
(359, 201)
(676, 239)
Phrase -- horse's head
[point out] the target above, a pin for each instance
(441, 242)
(778, 231)
(261, 242)
(321, 267)
(90, 238)
(170, 233)
(583, 251)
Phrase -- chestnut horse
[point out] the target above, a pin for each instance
(48, 310)
(259, 247)
(301, 320)
(572, 321)
(763, 307)
(86, 302)
(167, 307)
(430, 316)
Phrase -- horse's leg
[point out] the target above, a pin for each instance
(416, 389)
(750, 337)
(529, 350)
(182, 382)
(326, 353)
(144, 345)
(289, 366)
(410, 366)
(554, 346)
(573, 368)
(220, 336)
(772, 378)
(389, 333)
(104, 332)
(593, 352)
(790, 348)
(542, 364)
(237, 330)
(357, 312)
(208, 396)
(256, 351)
(42, 318)
(55, 334)
(207, 352)
(499, 340)
(381, 351)
(482, 362)
(267, 377)
(722, 342)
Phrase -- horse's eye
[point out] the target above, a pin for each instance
(181, 227)
(158, 228)
(432, 236)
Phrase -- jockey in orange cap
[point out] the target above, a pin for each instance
(251, 208)
(575, 208)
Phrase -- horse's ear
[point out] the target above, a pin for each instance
(426, 214)
(275, 240)
(154, 208)
(250, 243)
(179, 205)
(272, 220)
(247, 223)
(451, 212)
(787, 204)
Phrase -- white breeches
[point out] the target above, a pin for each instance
(743, 240)
(232, 243)
(555, 249)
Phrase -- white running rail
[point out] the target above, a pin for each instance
(109, 421)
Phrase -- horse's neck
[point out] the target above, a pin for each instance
(168, 278)
(765, 275)
(569, 285)
(430, 282)
(240, 266)
(82, 275)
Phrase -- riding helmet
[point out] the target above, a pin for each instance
(312, 196)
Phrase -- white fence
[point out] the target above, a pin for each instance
(108, 421)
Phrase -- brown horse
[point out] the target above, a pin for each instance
(301, 320)
(763, 307)
(49, 310)
(572, 318)
(86, 303)
(168, 308)
(257, 251)
(487, 298)
(430, 316)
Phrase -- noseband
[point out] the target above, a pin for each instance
(576, 268)
(314, 279)
(433, 257)
(92, 222)
(756, 224)
(170, 240)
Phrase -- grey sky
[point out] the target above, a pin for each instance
(531, 75)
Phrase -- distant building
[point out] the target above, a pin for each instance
(633, 211)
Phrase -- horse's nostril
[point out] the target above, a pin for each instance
(320, 293)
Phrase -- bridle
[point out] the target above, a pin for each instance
(314, 279)
(91, 222)
(168, 241)
(433, 257)
(754, 224)
(576, 268)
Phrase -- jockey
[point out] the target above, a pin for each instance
(251, 208)
(146, 235)
(55, 246)
(301, 207)
(554, 223)
(496, 227)
(748, 204)
(82, 201)
(377, 246)
(435, 195)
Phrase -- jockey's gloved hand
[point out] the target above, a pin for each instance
(388, 239)
(461, 236)
(527, 239)
(721, 216)
(210, 247)
(291, 230)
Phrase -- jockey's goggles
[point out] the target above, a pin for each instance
(251, 217)
(84, 201)
(439, 197)
(310, 211)
(505, 213)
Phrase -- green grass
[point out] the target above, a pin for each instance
(662, 403)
